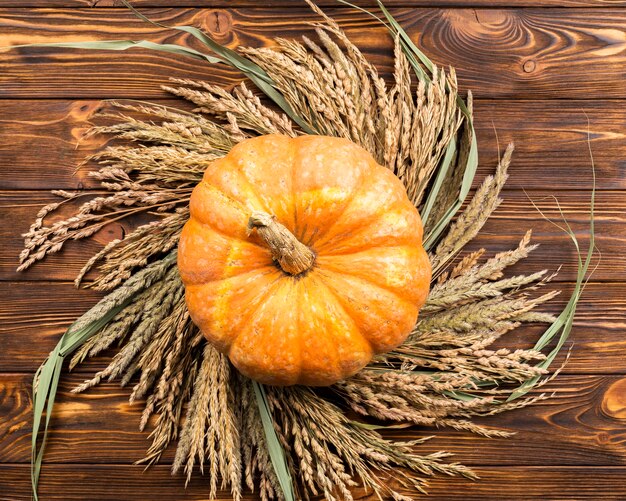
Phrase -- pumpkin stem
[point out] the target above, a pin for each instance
(292, 255)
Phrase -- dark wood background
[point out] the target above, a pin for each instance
(541, 71)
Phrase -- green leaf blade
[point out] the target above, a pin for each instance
(274, 447)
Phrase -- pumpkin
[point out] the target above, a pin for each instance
(302, 259)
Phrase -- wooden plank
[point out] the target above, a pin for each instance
(583, 424)
(503, 231)
(551, 138)
(551, 142)
(33, 315)
(42, 143)
(54, 130)
(114, 482)
(371, 4)
(522, 484)
(505, 53)
(105, 483)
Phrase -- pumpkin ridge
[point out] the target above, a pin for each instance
(253, 189)
(255, 271)
(385, 319)
(191, 283)
(324, 271)
(297, 284)
(350, 252)
(323, 232)
(330, 269)
(273, 292)
(330, 255)
(230, 237)
(372, 183)
(294, 193)
(297, 161)
(234, 202)
(271, 289)
(336, 366)
(237, 275)
(325, 248)
(379, 265)
(342, 307)
(347, 204)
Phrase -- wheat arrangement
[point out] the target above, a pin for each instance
(300, 442)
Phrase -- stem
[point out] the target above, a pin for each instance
(292, 255)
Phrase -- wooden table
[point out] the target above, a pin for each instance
(544, 73)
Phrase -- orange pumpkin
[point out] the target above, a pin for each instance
(302, 259)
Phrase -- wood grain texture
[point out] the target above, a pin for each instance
(115, 482)
(551, 142)
(130, 483)
(505, 53)
(40, 311)
(34, 316)
(299, 3)
(583, 425)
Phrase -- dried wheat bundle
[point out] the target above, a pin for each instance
(301, 442)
